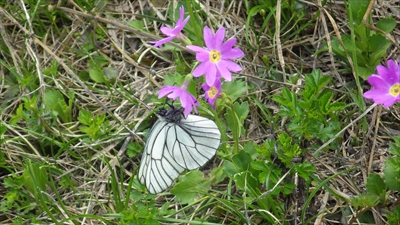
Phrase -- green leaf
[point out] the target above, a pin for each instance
(189, 186)
(240, 163)
(234, 89)
(305, 169)
(358, 9)
(97, 75)
(85, 117)
(54, 100)
(395, 147)
(35, 177)
(376, 185)
(365, 200)
(246, 181)
(138, 24)
(110, 73)
(241, 112)
(394, 217)
(17, 116)
(386, 24)
(172, 79)
(392, 173)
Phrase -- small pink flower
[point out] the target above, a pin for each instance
(386, 85)
(217, 57)
(174, 32)
(188, 101)
(212, 92)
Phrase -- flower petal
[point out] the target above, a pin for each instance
(219, 38)
(208, 38)
(232, 66)
(233, 54)
(167, 31)
(225, 73)
(228, 45)
(378, 82)
(161, 42)
(166, 90)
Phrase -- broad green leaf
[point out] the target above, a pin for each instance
(97, 75)
(245, 181)
(138, 24)
(386, 24)
(189, 186)
(234, 89)
(240, 163)
(376, 185)
(395, 147)
(392, 173)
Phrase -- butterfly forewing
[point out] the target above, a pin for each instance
(197, 141)
(174, 145)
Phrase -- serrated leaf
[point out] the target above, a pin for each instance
(85, 117)
(392, 173)
(305, 169)
(365, 200)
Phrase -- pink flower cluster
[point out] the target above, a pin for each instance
(215, 63)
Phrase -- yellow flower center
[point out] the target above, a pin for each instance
(215, 56)
(395, 90)
(212, 92)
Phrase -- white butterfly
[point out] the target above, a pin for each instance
(176, 143)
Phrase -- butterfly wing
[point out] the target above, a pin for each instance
(173, 147)
(158, 169)
(193, 141)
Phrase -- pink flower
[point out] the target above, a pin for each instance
(188, 101)
(212, 92)
(217, 57)
(174, 32)
(386, 85)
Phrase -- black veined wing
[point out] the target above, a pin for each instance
(176, 143)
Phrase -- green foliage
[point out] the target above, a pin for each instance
(376, 186)
(99, 71)
(394, 217)
(54, 100)
(365, 200)
(312, 113)
(96, 125)
(189, 186)
(263, 12)
(288, 149)
(234, 89)
(369, 47)
(392, 166)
